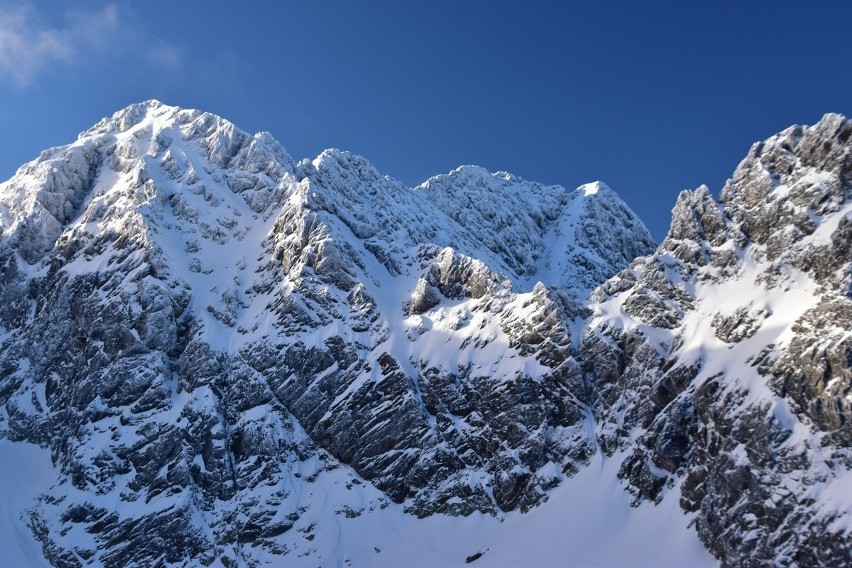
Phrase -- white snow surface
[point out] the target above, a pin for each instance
(25, 473)
(587, 522)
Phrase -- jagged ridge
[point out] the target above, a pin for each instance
(203, 330)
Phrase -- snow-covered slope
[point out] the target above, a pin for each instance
(25, 473)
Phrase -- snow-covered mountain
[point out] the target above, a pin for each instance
(236, 359)
(722, 361)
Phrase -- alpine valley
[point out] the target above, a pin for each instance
(212, 354)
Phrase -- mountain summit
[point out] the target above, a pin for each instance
(235, 357)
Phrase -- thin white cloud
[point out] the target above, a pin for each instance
(165, 56)
(28, 45)
(94, 28)
(32, 46)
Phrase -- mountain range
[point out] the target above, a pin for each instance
(213, 354)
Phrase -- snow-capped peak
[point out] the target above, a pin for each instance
(592, 188)
(132, 115)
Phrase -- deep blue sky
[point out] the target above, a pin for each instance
(650, 97)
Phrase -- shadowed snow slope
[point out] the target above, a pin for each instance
(25, 473)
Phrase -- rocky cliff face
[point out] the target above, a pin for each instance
(722, 361)
(202, 330)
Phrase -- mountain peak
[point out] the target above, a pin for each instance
(132, 115)
(135, 153)
(155, 117)
(595, 188)
(336, 162)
